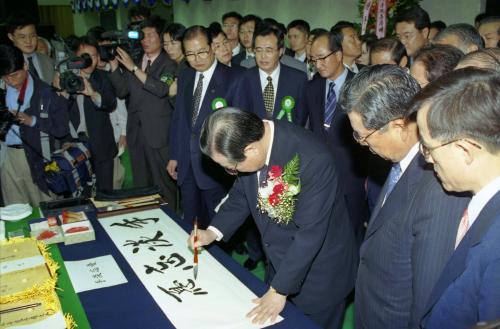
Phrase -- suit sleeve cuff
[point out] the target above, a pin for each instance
(217, 232)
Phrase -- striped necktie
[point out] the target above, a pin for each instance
(331, 103)
(196, 100)
(32, 68)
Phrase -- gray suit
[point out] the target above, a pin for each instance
(148, 124)
(406, 246)
(285, 59)
(46, 65)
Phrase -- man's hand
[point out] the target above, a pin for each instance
(172, 90)
(122, 141)
(205, 237)
(88, 90)
(172, 169)
(269, 307)
(23, 118)
(124, 58)
(114, 64)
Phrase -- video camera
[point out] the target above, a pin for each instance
(69, 79)
(7, 119)
(128, 40)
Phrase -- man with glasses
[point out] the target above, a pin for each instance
(412, 29)
(202, 89)
(311, 258)
(144, 83)
(328, 122)
(265, 88)
(458, 122)
(21, 30)
(230, 26)
(408, 240)
(40, 114)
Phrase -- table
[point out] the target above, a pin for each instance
(130, 305)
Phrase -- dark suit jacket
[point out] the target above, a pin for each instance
(44, 100)
(291, 82)
(46, 67)
(148, 106)
(314, 257)
(350, 157)
(184, 140)
(468, 290)
(237, 59)
(407, 243)
(100, 131)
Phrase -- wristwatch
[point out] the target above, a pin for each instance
(135, 68)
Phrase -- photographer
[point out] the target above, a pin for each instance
(36, 110)
(145, 83)
(90, 114)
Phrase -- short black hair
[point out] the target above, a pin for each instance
(11, 59)
(155, 22)
(86, 41)
(232, 14)
(250, 18)
(480, 17)
(337, 29)
(215, 29)
(275, 23)
(466, 34)
(489, 19)
(379, 94)
(392, 45)
(267, 29)
(438, 25)
(139, 10)
(175, 30)
(96, 32)
(438, 59)
(18, 21)
(229, 131)
(72, 42)
(300, 25)
(483, 58)
(317, 31)
(196, 30)
(464, 103)
(369, 39)
(415, 15)
(334, 42)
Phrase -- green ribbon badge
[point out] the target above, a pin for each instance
(287, 105)
(218, 103)
(167, 78)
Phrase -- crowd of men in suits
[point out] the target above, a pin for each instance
(398, 140)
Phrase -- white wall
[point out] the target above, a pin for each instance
(319, 13)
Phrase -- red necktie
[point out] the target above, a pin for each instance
(462, 227)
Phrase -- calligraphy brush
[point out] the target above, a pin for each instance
(195, 249)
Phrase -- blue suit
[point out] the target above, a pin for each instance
(196, 173)
(468, 290)
(350, 158)
(312, 259)
(407, 244)
(291, 82)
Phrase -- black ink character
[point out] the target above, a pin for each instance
(179, 288)
(151, 242)
(174, 260)
(136, 222)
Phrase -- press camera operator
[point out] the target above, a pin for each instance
(145, 83)
(33, 112)
(90, 108)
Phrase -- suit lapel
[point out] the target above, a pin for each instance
(457, 262)
(189, 95)
(210, 94)
(280, 93)
(258, 98)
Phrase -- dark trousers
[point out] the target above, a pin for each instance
(198, 203)
(104, 174)
(149, 168)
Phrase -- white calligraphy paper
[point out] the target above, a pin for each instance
(156, 249)
(94, 273)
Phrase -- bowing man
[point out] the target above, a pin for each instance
(310, 245)
(460, 136)
(202, 88)
(264, 89)
(408, 240)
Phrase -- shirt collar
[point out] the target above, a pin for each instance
(353, 69)
(236, 50)
(209, 72)
(274, 75)
(481, 198)
(147, 58)
(405, 162)
(271, 140)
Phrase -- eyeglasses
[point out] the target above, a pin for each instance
(321, 59)
(363, 139)
(232, 171)
(267, 50)
(426, 151)
(201, 55)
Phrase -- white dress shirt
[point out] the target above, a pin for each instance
(207, 76)
(275, 75)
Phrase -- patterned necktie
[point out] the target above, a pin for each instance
(32, 68)
(262, 175)
(148, 66)
(331, 103)
(196, 100)
(463, 227)
(393, 178)
(269, 98)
